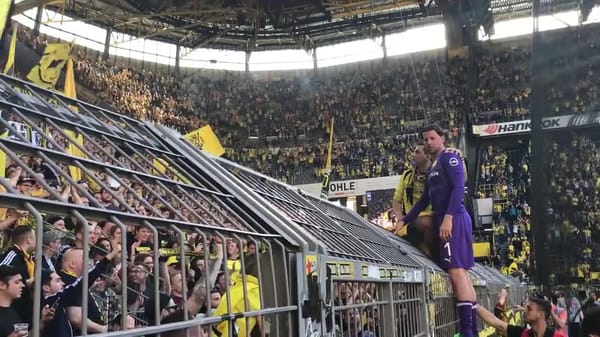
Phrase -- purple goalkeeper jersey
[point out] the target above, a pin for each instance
(445, 187)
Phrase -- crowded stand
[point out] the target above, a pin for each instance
(297, 110)
(503, 84)
(504, 177)
(155, 97)
(279, 127)
(219, 270)
(574, 205)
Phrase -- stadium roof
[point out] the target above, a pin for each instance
(267, 24)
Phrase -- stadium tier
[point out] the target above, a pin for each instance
(174, 198)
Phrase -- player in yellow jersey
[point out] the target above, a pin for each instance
(408, 192)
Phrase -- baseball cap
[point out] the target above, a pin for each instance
(23, 180)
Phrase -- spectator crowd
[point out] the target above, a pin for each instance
(288, 117)
(574, 205)
(504, 177)
(377, 113)
(219, 267)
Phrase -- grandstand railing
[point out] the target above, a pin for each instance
(110, 151)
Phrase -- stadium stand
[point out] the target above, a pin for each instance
(503, 168)
(574, 206)
(501, 95)
(192, 226)
(504, 177)
(151, 96)
(296, 124)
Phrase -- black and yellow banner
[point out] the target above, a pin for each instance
(205, 139)
(47, 71)
(9, 67)
(327, 170)
(70, 89)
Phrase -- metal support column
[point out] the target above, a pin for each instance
(38, 20)
(471, 144)
(540, 256)
(384, 46)
(177, 59)
(248, 53)
(106, 54)
(314, 56)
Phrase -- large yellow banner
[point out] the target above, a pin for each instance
(73, 150)
(205, 139)
(47, 71)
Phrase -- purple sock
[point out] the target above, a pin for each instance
(465, 313)
(474, 317)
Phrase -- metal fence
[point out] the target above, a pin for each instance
(197, 228)
(97, 168)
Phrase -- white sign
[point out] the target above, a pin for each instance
(342, 187)
(524, 126)
(347, 188)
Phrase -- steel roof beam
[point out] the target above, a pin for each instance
(26, 5)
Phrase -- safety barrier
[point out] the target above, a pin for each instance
(292, 264)
(439, 297)
(98, 169)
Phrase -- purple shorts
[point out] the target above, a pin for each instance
(458, 252)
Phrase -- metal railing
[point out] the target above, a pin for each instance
(93, 166)
(193, 228)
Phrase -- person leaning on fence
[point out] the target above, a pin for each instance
(537, 314)
(445, 190)
(407, 193)
(238, 298)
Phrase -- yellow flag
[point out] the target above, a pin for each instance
(3, 156)
(329, 148)
(206, 139)
(10, 61)
(70, 89)
(47, 71)
(72, 149)
(4, 11)
(327, 170)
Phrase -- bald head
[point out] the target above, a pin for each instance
(72, 261)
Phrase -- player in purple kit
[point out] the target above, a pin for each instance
(444, 189)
